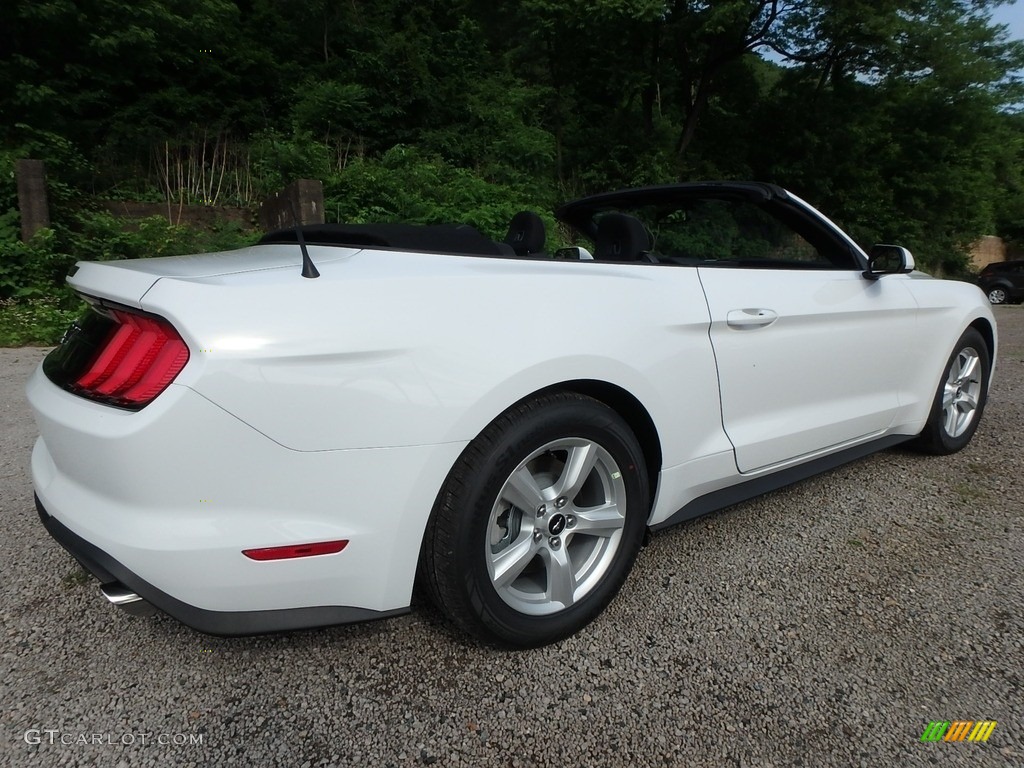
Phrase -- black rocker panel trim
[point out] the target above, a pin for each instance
(726, 497)
(226, 623)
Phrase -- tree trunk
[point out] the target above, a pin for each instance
(693, 114)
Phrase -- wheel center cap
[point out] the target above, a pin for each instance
(556, 525)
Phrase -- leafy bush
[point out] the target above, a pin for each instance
(100, 236)
(35, 304)
(408, 185)
(279, 159)
(39, 321)
(32, 270)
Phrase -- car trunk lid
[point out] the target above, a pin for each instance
(126, 282)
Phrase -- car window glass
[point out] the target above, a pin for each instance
(727, 231)
(733, 232)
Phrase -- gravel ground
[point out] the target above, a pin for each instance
(825, 624)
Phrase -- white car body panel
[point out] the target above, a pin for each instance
(176, 509)
(133, 278)
(369, 382)
(945, 308)
(785, 393)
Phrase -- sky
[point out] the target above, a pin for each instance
(1011, 14)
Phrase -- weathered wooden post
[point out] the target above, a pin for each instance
(32, 203)
(301, 202)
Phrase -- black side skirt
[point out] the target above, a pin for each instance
(228, 623)
(734, 494)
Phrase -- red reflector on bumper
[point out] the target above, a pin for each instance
(296, 550)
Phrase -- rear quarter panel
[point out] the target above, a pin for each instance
(394, 349)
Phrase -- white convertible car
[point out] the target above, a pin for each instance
(294, 434)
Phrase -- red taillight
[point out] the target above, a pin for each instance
(296, 550)
(140, 358)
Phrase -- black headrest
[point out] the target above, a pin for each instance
(526, 233)
(620, 237)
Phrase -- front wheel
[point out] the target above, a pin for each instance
(960, 399)
(997, 295)
(539, 522)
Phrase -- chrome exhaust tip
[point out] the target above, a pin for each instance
(126, 600)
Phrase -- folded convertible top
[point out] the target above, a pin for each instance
(442, 238)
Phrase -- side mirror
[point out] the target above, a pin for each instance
(888, 260)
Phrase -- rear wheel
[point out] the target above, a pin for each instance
(960, 399)
(539, 522)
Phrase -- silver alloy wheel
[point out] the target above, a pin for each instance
(962, 392)
(997, 296)
(556, 526)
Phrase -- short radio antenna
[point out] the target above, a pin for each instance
(308, 267)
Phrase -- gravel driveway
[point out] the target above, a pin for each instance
(825, 624)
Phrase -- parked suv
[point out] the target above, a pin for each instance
(1003, 281)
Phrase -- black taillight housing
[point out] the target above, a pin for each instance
(119, 356)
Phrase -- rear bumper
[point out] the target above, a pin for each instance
(165, 500)
(230, 623)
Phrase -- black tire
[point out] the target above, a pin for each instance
(938, 437)
(474, 530)
(997, 295)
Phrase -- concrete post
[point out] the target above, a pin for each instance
(303, 198)
(32, 203)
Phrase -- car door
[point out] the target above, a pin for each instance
(810, 354)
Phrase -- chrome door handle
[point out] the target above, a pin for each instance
(750, 318)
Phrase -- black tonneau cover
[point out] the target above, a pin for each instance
(441, 238)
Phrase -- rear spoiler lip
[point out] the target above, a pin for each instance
(92, 281)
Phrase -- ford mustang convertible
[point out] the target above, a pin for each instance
(297, 433)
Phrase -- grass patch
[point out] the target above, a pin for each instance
(76, 578)
(968, 494)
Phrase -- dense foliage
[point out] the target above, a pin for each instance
(897, 117)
